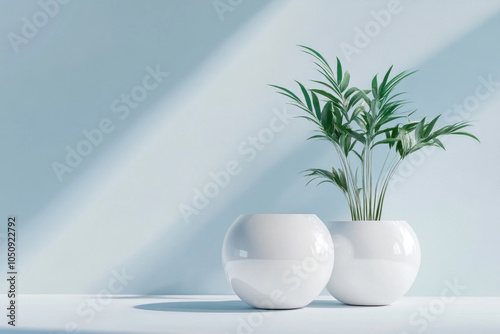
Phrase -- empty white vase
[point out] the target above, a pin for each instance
(376, 262)
(278, 261)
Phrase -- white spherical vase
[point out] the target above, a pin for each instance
(376, 262)
(278, 261)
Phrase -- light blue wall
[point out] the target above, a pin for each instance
(120, 207)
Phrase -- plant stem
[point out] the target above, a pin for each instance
(387, 179)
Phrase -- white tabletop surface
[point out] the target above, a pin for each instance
(227, 314)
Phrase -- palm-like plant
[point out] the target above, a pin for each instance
(355, 121)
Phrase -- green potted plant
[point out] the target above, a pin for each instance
(376, 261)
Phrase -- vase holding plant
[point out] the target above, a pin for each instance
(376, 261)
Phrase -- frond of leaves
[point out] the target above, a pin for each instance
(356, 121)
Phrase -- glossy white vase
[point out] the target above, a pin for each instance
(376, 262)
(278, 261)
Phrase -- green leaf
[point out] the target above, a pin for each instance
(467, 134)
(439, 143)
(308, 118)
(290, 94)
(358, 155)
(361, 123)
(322, 137)
(315, 54)
(326, 117)
(316, 106)
(410, 126)
(374, 108)
(301, 106)
(306, 95)
(336, 177)
(353, 100)
(364, 96)
(384, 82)
(386, 141)
(359, 137)
(350, 91)
(345, 81)
(374, 87)
(430, 126)
(334, 86)
(332, 98)
(419, 130)
(396, 80)
(326, 85)
(339, 72)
